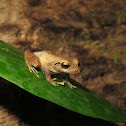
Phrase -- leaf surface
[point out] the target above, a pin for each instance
(14, 69)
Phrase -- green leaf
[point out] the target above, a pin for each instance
(14, 69)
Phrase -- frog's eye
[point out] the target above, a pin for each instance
(65, 66)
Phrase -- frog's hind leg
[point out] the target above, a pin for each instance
(32, 62)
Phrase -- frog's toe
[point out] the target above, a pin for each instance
(71, 86)
(33, 70)
(54, 79)
(55, 84)
(60, 83)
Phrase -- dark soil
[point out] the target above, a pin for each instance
(92, 31)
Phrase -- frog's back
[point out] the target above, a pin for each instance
(47, 56)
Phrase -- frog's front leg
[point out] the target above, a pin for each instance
(48, 77)
(70, 85)
(32, 62)
(65, 81)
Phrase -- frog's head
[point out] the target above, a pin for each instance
(68, 66)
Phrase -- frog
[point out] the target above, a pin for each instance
(50, 63)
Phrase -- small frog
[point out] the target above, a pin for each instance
(49, 63)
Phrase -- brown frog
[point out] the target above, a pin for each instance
(50, 63)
